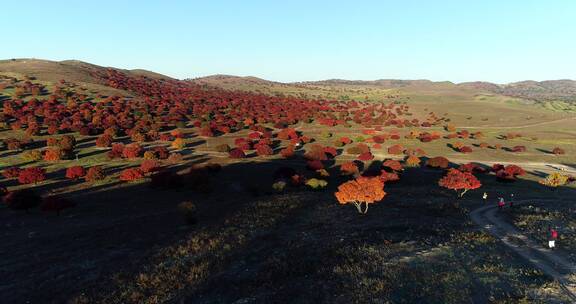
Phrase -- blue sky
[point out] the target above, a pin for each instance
(499, 41)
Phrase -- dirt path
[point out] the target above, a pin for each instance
(551, 263)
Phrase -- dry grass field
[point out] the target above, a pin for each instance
(242, 241)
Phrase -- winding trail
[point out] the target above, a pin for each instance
(549, 262)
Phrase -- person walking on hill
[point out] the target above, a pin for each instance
(484, 197)
(553, 235)
(511, 200)
(501, 203)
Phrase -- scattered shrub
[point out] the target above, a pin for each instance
(558, 151)
(32, 155)
(149, 155)
(396, 149)
(94, 174)
(349, 168)
(366, 156)
(132, 151)
(314, 165)
(387, 177)
(175, 158)
(178, 144)
(236, 153)
(555, 180)
(104, 141)
(11, 172)
(279, 186)
(412, 161)
(149, 165)
(32, 175)
(316, 184)
(223, 148)
(53, 154)
(75, 172)
(392, 165)
(131, 174)
(438, 162)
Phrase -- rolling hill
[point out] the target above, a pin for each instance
(542, 91)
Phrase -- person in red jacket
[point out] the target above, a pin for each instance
(552, 239)
(501, 203)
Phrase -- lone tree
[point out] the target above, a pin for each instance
(363, 190)
(459, 181)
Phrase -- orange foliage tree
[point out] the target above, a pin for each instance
(459, 181)
(363, 190)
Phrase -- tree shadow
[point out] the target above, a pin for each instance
(544, 151)
(117, 227)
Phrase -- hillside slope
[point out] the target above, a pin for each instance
(78, 72)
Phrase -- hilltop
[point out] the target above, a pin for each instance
(81, 73)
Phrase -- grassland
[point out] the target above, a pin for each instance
(129, 243)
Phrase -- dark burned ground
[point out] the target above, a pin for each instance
(129, 245)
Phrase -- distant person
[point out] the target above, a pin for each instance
(501, 203)
(511, 200)
(552, 238)
(484, 197)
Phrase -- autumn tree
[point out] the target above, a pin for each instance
(11, 172)
(459, 181)
(361, 191)
(32, 155)
(94, 174)
(53, 154)
(555, 180)
(287, 152)
(223, 148)
(366, 156)
(149, 166)
(508, 173)
(131, 174)
(104, 141)
(264, 150)
(132, 151)
(349, 168)
(396, 149)
(558, 151)
(178, 143)
(316, 184)
(392, 165)
(31, 175)
(412, 161)
(438, 162)
(75, 172)
(387, 177)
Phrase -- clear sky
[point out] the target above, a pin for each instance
(499, 41)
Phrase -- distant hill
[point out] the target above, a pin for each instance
(549, 90)
(83, 74)
(79, 72)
